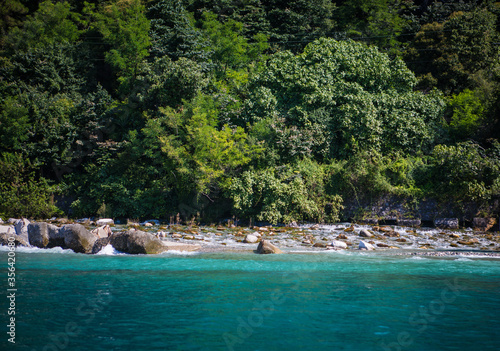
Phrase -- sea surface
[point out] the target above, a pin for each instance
(244, 301)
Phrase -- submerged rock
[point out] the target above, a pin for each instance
(265, 247)
(99, 245)
(77, 238)
(137, 242)
(365, 246)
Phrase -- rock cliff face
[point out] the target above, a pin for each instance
(427, 212)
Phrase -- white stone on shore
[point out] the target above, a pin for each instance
(257, 234)
(104, 221)
(102, 231)
(251, 239)
(365, 246)
(339, 244)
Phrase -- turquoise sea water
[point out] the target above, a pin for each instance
(235, 301)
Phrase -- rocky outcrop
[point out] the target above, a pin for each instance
(18, 241)
(446, 223)
(265, 247)
(365, 246)
(483, 224)
(78, 238)
(409, 222)
(137, 242)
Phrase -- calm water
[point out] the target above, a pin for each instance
(327, 301)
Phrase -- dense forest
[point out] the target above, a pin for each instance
(268, 110)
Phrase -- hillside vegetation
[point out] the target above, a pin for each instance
(262, 110)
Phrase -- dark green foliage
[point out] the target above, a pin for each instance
(338, 97)
(295, 192)
(174, 34)
(463, 173)
(246, 108)
(22, 192)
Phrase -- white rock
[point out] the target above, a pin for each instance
(251, 239)
(102, 232)
(7, 229)
(365, 233)
(1, 221)
(148, 224)
(365, 246)
(339, 244)
(104, 221)
(22, 228)
(12, 220)
(257, 234)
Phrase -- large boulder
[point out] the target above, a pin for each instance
(22, 228)
(18, 241)
(137, 242)
(78, 238)
(365, 246)
(38, 234)
(265, 247)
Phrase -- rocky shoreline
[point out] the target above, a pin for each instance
(151, 237)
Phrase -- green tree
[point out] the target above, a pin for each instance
(467, 114)
(11, 13)
(282, 195)
(173, 32)
(125, 28)
(349, 95)
(52, 23)
(203, 155)
(449, 55)
(22, 192)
